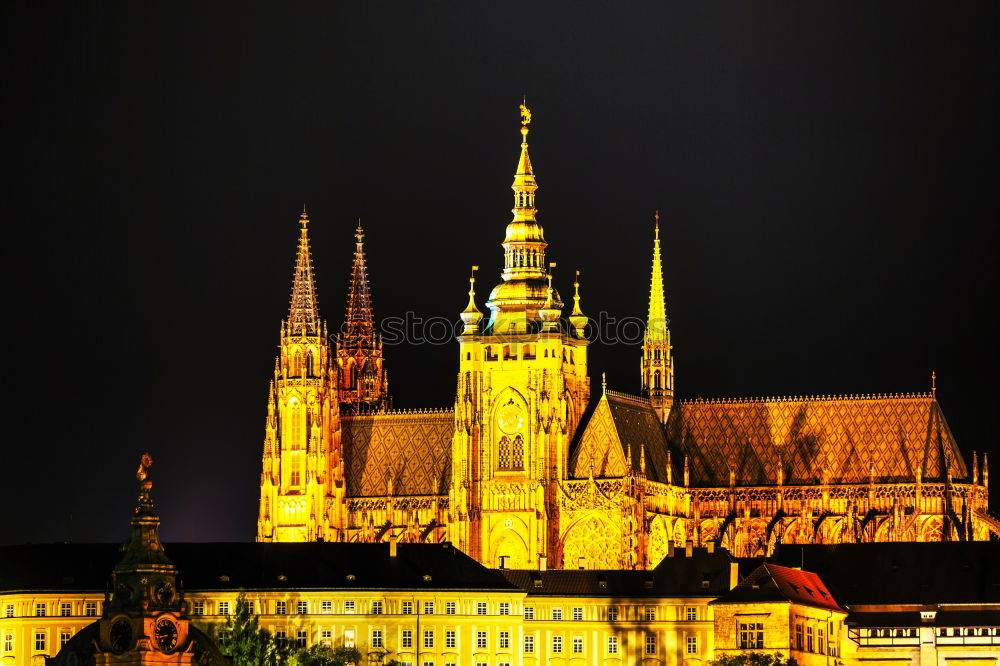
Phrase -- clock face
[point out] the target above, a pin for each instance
(121, 635)
(510, 420)
(165, 634)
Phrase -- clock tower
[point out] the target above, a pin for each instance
(522, 387)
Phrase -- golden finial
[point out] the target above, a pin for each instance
(303, 217)
(525, 115)
(604, 382)
(656, 226)
(933, 383)
(144, 464)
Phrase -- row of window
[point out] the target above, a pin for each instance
(527, 353)
(814, 639)
(351, 607)
(649, 613)
(65, 609)
(40, 642)
(429, 641)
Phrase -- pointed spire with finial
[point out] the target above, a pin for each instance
(359, 318)
(657, 360)
(577, 319)
(656, 322)
(933, 384)
(471, 316)
(303, 311)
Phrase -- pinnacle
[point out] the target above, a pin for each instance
(303, 312)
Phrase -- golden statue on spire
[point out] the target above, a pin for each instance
(144, 464)
(525, 115)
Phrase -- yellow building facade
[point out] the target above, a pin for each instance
(529, 462)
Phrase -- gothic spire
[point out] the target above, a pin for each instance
(359, 320)
(656, 324)
(303, 312)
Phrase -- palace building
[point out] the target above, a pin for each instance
(531, 464)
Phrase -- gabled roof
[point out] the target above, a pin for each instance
(255, 566)
(411, 449)
(619, 428)
(848, 436)
(772, 582)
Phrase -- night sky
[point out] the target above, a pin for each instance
(826, 173)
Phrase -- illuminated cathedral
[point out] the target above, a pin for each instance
(534, 465)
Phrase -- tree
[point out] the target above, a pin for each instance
(753, 659)
(323, 655)
(245, 642)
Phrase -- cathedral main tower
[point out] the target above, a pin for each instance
(522, 388)
(302, 465)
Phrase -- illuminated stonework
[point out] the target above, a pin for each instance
(526, 465)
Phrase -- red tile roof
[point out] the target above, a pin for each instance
(773, 582)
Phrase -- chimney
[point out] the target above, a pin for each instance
(581, 561)
(734, 574)
(392, 546)
(541, 562)
(503, 561)
(688, 548)
(710, 546)
(670, 548)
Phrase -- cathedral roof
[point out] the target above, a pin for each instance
(620, 428)
(412, 450)
(848, 436)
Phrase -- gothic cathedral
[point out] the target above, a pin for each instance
(528, 466)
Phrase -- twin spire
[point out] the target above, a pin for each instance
(359, 319)
(303, 311)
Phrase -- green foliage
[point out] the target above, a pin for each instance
(753, 659)
(245, 642)
(322, 655)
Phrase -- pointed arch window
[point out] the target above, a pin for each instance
(504, 453)
(517, 453)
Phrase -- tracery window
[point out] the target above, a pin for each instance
(503, 453)
(517, 454)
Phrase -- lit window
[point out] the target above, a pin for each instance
(428, 639)
(377, 638)
(449, 608)
(198, 608)
(280, 639)
(752, 636)
(349, 607)
(406, 640)
(557, 644)
(407, 608)
(450, 640)
(90, 609)
(480, 608)
(504, 640)
(39, 641)
(65, 610)
(809, 639)
(557, 613)
(529, 612)
(250, 607)
(692, 645)
(650, 643)
(428, 608)
(326, 637)
(577, 645)
(348, 637)
(223, 608)
(39, 610)
(300, 640)
(821, 641)
(650, 614)
(280, 608)
(577, 614)
(376, 608)
(529, 644)
(480, 640)
(505, 608)
(612, 614)
(9, 612)
(798, 636)
(612, 645)
(303, 608)
(64, 637)
(692, 613)
(8, 643)
(327, 606)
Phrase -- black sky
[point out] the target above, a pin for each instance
(827, 173)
